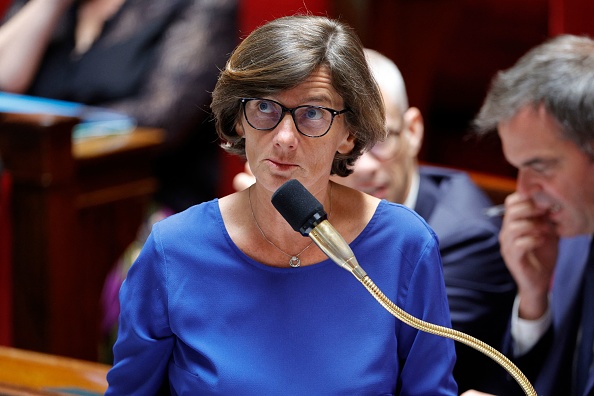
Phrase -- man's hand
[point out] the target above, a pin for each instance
(529, 246)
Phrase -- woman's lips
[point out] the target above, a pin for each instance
(282, 166)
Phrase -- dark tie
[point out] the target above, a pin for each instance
(586, 344)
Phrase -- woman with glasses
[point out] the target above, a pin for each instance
(226, 298)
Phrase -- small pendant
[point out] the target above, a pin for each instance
(294, 262)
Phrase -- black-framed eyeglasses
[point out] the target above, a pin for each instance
(266, 114)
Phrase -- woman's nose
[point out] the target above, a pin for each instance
(286, 132)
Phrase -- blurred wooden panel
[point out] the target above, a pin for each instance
(74, 211)
(5, 260)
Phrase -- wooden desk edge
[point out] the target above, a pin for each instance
(35, 371)
(94, 147)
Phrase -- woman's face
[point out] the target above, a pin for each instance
(283, 153)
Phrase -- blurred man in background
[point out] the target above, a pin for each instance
(542, 108)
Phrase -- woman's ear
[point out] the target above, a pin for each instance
(347, 145)
(239, 129)
(414, 129)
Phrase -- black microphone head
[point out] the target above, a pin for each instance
(298, 206)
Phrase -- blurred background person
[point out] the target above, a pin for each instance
(480, 289)
(542, 109)
(156, 61)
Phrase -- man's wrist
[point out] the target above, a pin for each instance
(526, 333)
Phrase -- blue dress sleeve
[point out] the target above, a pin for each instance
(429, 359)
(145, 340)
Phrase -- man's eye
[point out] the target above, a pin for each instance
(542, 168)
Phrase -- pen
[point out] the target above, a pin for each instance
(495, 211)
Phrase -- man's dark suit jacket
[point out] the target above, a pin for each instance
(549, 364)
(479, 287)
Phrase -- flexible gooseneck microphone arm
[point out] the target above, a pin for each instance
(306, 215)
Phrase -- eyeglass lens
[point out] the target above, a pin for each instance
(266, 115)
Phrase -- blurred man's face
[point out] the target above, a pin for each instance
(552, 172)
(386, 170)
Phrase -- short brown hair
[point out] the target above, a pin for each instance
(281, 54)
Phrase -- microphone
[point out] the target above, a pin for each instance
(306, 215)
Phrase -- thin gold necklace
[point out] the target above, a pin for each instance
(294, 260)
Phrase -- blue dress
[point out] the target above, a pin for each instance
(198, 312)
